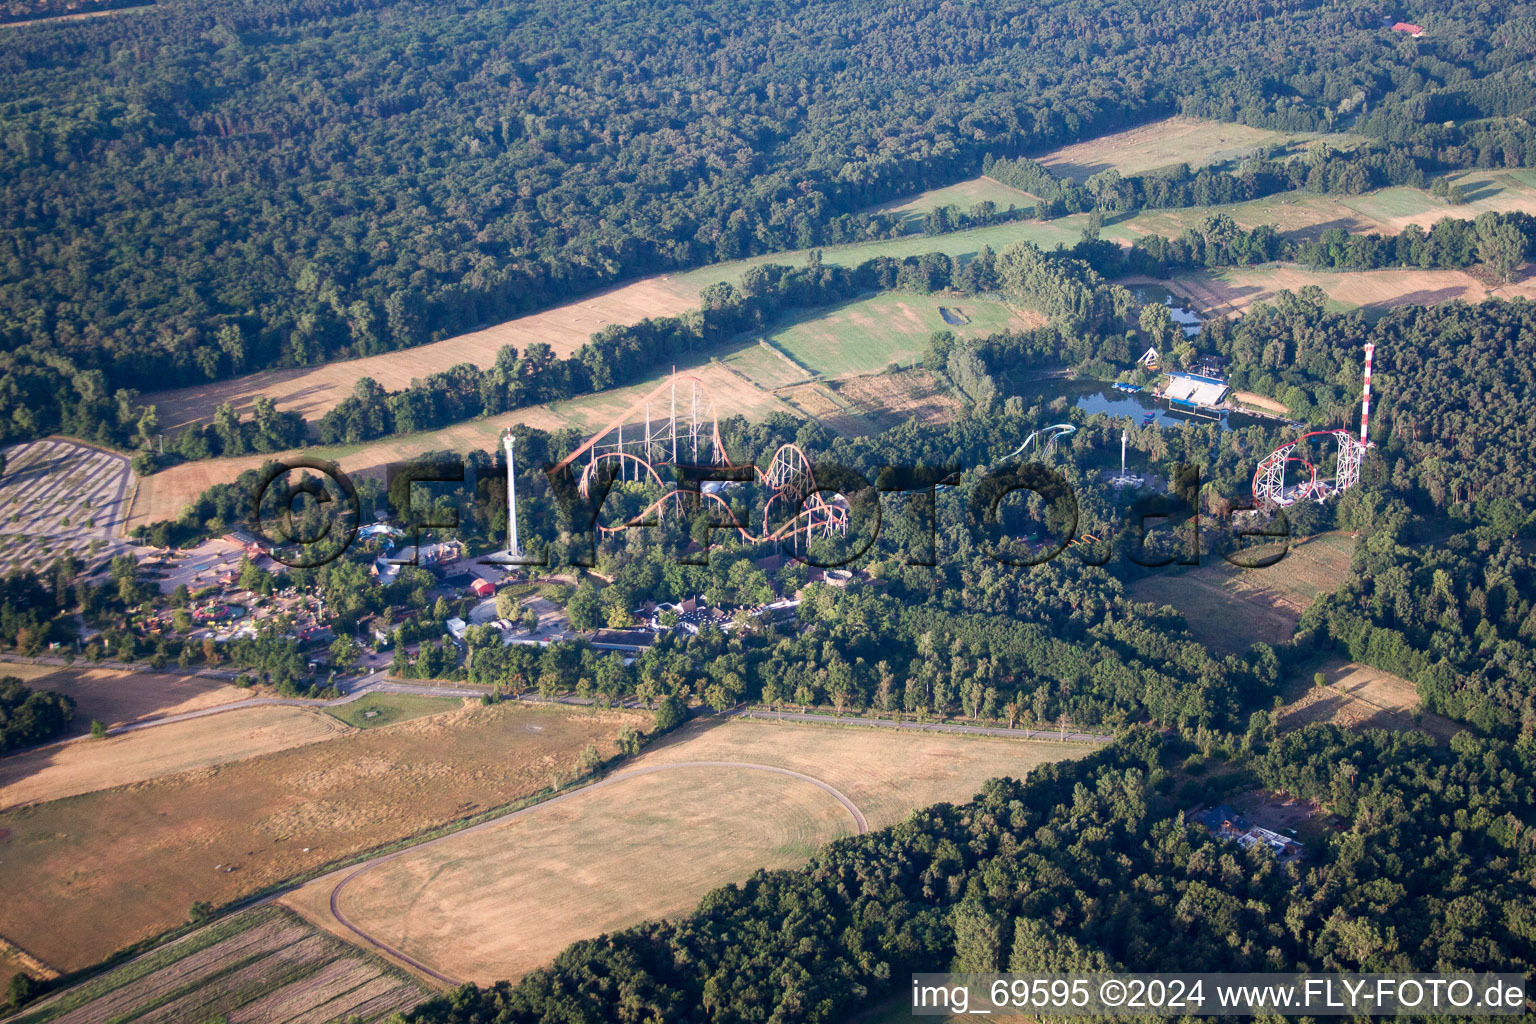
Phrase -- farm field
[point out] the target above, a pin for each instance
(1174, 140)
(1233, 291)
(91, 874)
(1361, 697)
(377, 709)
(118, 698)
(87, 765)
(1499, 191)
(1229, 609)
(965, 195)
(867, 335)
(502, 901)
(816, 401)
(314, 390)
(887, 399)
(262, 966)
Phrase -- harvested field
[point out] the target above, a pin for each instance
(91, 874)
(1229, 609)
(1174, 140)
(500, 902)
(815, 401)
(1228, 292)
(1358, 696)
(314, 390)
(887, 399)
(118, 698)
(88, 765)
(262, 966)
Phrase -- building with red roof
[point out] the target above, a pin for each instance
(1413, 30)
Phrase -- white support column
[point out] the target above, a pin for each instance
(513, 548)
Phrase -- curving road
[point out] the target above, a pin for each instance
(860, 824)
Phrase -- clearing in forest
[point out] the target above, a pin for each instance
(502, 901)
(1230, 609)
(965, 195)
(887, 399)
(1174, 140)
(91, 874)
(1233, 291)
(867, 335)
(261, 966)
(1358, 696)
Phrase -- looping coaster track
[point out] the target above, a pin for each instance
(690, 436)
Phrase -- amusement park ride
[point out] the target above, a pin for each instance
(1270, 488)
(690, 436)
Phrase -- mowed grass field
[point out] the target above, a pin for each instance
(376, 709)
(965, 195)
(1230, 609)
(867, 335)
(87, 765)
(91, 874)
(118, 698)
(503, 901)
(1174, 140)
(1358, 696)
(261, 966)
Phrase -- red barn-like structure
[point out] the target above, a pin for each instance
(1413, 30)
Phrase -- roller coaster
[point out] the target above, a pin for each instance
(662, 435)
(1271, 487)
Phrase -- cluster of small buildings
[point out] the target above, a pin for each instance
(1226, 823)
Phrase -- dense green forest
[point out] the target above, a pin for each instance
(1423, 865)
(184, 199)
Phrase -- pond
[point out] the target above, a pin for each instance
(1093, 396)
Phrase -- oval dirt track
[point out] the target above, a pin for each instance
(860, 825)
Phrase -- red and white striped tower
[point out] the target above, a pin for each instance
(1365, 405)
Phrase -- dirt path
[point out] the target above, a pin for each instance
(335, 900)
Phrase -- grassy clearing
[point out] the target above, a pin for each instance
(1358, 696)
(1174, 140)
(501, 902)
(1230, 609)
(867, 335)
(92, 874)
(263, 965)
(1233, 291)
(965, 195)
(89, 765)
(376, 709)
